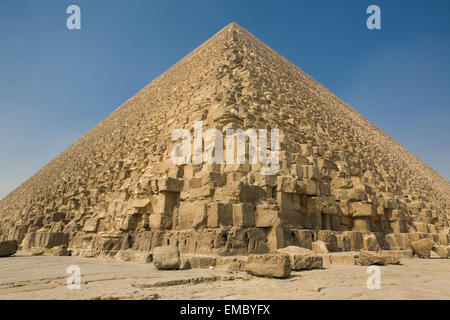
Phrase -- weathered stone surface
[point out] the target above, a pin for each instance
(302, 258)
(341, 183)
(166, 258)
(442, 251)
(269, 265)
(135, 256)
(236, 263)
(60, 251)
(8, 248)
(367, 258)
(371, 243)
(344, 258)
(244, 215)
(422, 248)
(198, 261)
(391, 257)
(319, 247)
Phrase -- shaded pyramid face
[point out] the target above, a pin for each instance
(338, 177)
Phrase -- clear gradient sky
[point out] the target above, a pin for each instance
(56, 84)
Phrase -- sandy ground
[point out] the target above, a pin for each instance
(44, 277)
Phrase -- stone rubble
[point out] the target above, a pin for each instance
(166, 258)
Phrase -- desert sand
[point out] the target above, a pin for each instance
(44, 277)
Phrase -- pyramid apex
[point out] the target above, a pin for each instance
(233, 26)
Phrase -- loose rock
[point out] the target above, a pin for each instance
(302, 258)
(269, 265)
(166, 258)
(367, 258)
(422, 248)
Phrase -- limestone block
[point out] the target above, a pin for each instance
(29, 240)
(196, 261)
(341, 183)
(158, 221)
(313, 205)
(355, 240)
(129, 222)
(398, 227)
(441, 251)
(310, 172)
(244, 215)
(362, 209)
(343, 258)
(134, 256)
(91, 225)
(190, 211)
(168, 184)
(319, 247)
(235, 263)
(166, 258)
(367, 258)
(50, 239)
(220, 214)
(329, 238)
(164, 202)
(269, 265)
(8, 248)
(371, 243)
(302, 258)
(266, 216)
(336, 222)
(290, 185)
(60, 251)
(391, 257)
(140, 203)
(361, 225)
(422, 248)
(200, 217)
(58, 216)
(342, 243)
(312, 188)
(275, 238)
(299, 238)
(203, 192)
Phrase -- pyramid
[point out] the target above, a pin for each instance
(339, 178)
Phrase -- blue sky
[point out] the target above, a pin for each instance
(56, 84)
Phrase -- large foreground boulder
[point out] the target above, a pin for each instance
(391, 257)
(269, 265)
(302, 258)
(166, 258)
(8, 248)
(367, 258)
(422, 248)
